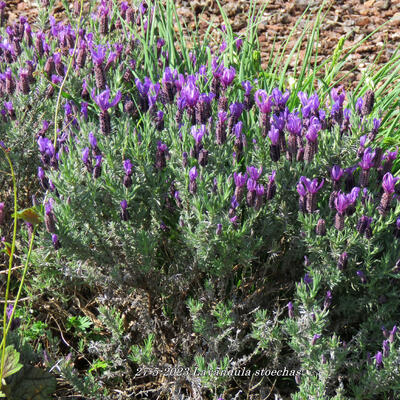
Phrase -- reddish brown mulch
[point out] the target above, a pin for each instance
(356, 18)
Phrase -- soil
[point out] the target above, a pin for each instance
(355, 18)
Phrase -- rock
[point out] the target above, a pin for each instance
(301, 5)
(396, 19)
(363, 21)
(232, 9)
(239, 22)
(185, 13)
(383, 5)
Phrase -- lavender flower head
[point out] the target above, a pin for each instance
(341, 203)
(247, 87)
(312, 185)
(198, 133)
(294, 124)
(336, 173)
(389, 182)
(313, 129)
(290, 309)
(307, 279)
(227, 77)
(367, 160)
(263, 101)
(103, 99)
(190, 92)
(280, 98)
(378, 360)
(254, 173)
(315, 338)
(128, 167)
(98, 56)
(239, 179)
(301, 189)
(274, 135)
(193, 174)
(85, 155)
(362, 276)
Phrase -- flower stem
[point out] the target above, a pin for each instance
(10, 261)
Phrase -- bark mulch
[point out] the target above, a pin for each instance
(356, 18)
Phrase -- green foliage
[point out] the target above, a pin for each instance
(143, 355)
(31, 383)
(79, 323)
(189, 274)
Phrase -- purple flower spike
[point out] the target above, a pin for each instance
(301, 189)
(251, 185)
(367, 160)
(254, 173)
(279, 98)
(49, 217)
(385, 348)
(290, 309)
(391, 155)
(274, 135)
(193, 174)
(341, 203)
(378, 360)
(389, 182)
(336, 173)
(307, 279)
(328, 299)
(271, 178)
(143, 88)
(263, 101)
(92, 140)
(124, 210)
(238, 43)
(198, 133)
(312, 186)
(342, 262)
(98, 56)
(234, 203)
(128, 167)
(236, 109)
(227, 77)
(103, 99)
(294, 124)
(85, 155)
(313, 129)
(56, 242)
(315, 338)
(247, 87)
(240, 179)
(392, 334)
(190, 92)
(362, 276)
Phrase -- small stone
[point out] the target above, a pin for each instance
(232, 9)
(396, 19)
(301, 5)
(239, 22)
(363, 21)
(383, 5)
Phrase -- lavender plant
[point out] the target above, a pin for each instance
(182, 191)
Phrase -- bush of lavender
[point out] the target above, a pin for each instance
(224, 221)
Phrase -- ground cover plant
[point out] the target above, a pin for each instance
(179, 223)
